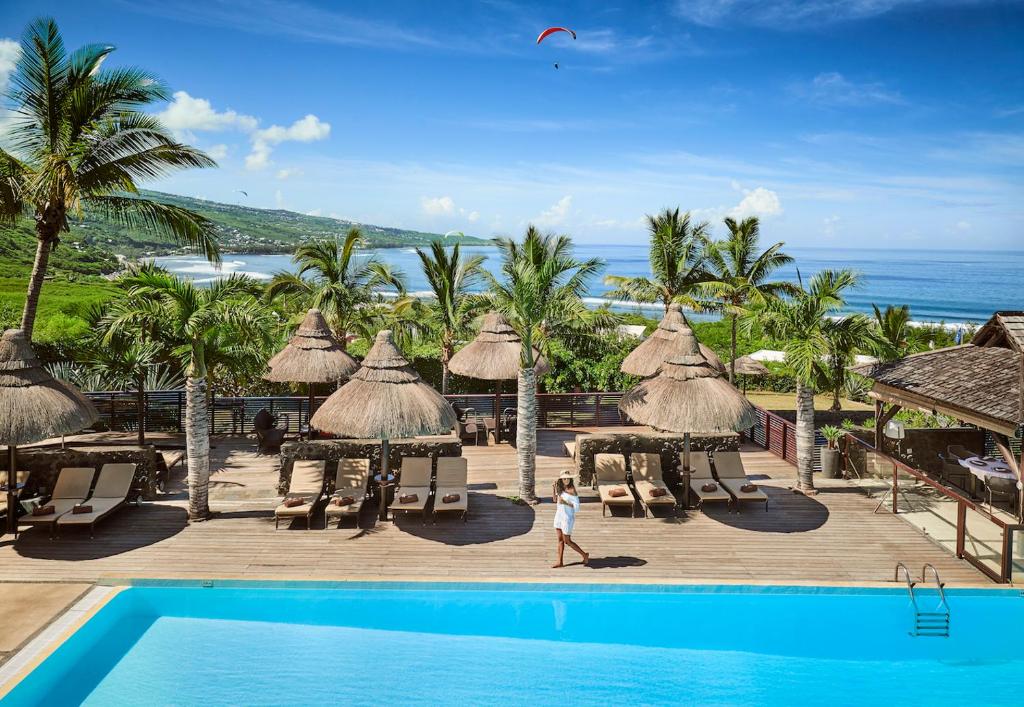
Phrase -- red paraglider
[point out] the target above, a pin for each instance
(551, 30)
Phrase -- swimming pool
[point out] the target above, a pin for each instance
(368, 643)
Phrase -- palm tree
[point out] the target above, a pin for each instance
(540, 293)
(740, 272)
(79, 139)
(341, 285)
(677, 263)
(804, 320)
(128, 361)
(451, 311)
(844, 336)
(186, 318)
(894, 337)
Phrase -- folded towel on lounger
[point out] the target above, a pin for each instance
(748, 488)
(709, 487)
(343, 500)
(617, 492)
(408, 498)
(81, 508)
(293, 502)
(658, 492)
(451, 498)
(43, 510)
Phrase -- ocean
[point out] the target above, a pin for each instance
(949, 286)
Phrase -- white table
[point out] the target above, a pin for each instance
(983, 468)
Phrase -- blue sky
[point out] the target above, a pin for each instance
(889, 123)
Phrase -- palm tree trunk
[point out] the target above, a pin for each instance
(526, 435)
(47, 228)
(140, 404)
(446, 356)
(197, 444)
(732, 362)
(804, 436)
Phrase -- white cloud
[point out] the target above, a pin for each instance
(829, 224)
(185, 114)
(438, 205)
(556, 214)
(963, 226)
(797, 14)
(757, 202)
(473, 216)
(831, 88)
(217, 152)
(288, 173)
(10, 52)
(307, 129)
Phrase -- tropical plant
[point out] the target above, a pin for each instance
(341, 285)
(186, 319)
(804, 321)
(676, 260)
(832, 435)
(740, 272)
(449, 313)
(540, 292)
(893, 335)
(79, 140)
(845, 337)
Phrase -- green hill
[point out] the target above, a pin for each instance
(90, 247)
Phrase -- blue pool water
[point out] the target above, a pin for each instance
(527, 644)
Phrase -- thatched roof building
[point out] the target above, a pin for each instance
(751, 367)
(33, 404)
(647, 357)
(495, 354)
(384, 399)
(312, 355)
(689, 395)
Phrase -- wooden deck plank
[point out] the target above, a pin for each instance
(833, 537)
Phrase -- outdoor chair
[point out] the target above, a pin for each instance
(350, 483)
(650, 483)
(20, 479)
(1000, 490)
(612, 484)
(71, 489)
(451, 487)
(269, 436)
(413, 487)
(109, 496)
(960, 452)
(305, 489)
(700, 477)
(729, 468)
(469, 427)
(953, 473)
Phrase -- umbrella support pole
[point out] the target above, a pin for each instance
(385, 453)
(497, 414)
(12, 490)
(309, 417)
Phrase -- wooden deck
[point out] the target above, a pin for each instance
(831, 538)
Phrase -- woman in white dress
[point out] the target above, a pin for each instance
(568, 502)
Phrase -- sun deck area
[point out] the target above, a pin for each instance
(833, 537)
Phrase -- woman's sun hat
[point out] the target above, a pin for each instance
(567, 474)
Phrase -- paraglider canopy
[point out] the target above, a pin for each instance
(552, 30)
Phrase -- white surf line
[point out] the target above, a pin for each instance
(47, 640)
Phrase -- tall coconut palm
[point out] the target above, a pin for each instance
(340, 282)
(894, 337)
(676, 260)
(740, 272)
(186, 318)
(79, 140)
(453, 307)
(804, 320)
(845, 337)
(540, 292)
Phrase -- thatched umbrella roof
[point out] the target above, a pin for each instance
(495, 354)
(646, 359)
(386, 398)
(33, 404)
(751, 367)
(688, 396)
(312, 355)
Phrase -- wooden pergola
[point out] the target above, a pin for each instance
(980, 383)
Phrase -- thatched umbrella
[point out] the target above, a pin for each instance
(312, 356)
(747, 366)
(385, 398)
(494, 355)
(646, 359)
(33, 406)
(688, 396)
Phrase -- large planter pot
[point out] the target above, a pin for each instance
(830, 463)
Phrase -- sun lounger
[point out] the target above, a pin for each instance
(413, 487)
(111, 492)
(307, 486)
(729, 467)
(72, 488)
(610, 477)
(349, 483)
(648, 479)
(700, 476)
(451, 482)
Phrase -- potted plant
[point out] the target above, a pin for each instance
(830, 452)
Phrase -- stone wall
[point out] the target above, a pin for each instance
(920, 447)
(45, 465)
(669, 446)
(334, 449)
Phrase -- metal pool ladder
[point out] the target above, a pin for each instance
(926, 623)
